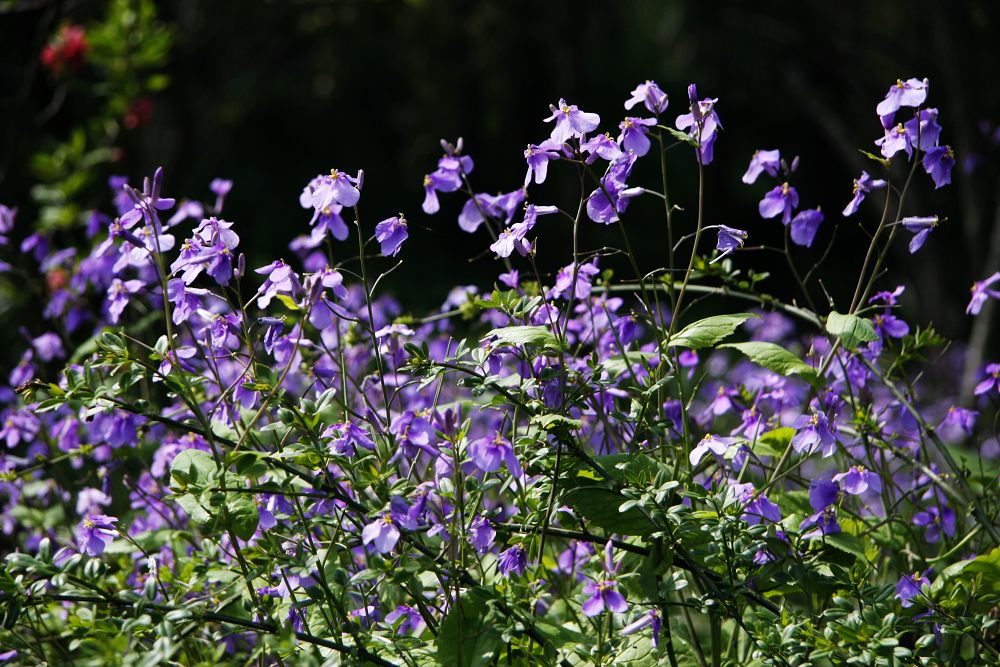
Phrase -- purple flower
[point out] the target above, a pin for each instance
(650, 95)
(96, 532)
(145, 203)
(538, 156)
(859, 479)
(702, 124)
(490, 452)
(888, 324)
(633, 134)
(446, 178)
(980, 292)
(584, 275)
(909, 93)
(991, 381)
(382, 532)
(119, 294)
(571, 122)
(603, 595)
(513, 560)
(805, 225)
(920, 227)
(936, 520)
(961, 418)
(925, 125)
(606, 202)
(391, 233)
(862, 186)
(729, 239)
(909, 587)
(7, 216)
(481, 534)
(823, 522)
(344, 437)
(782, 200)
(823, 493)
(19, 426)
(938, 162)
(48, 346)
(769, 161)
(814, 433)
(412, 621)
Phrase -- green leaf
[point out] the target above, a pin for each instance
(194, 507)
(554, 422)
(871, 156)
(525, 335)
(773, 443)
(193, 469)
(850, 329)
(243, 515)
(470, 636)
(847, 543)
(776, 358)
(599, 505)
(679, 136)
(709, 331)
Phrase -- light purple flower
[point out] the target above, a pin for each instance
(769, 161)
(980, 292)
(48, 346)
(992, 380)
(601, 146)
(862, 186)
(570, 121)
(718, 445)
(382, 532)
(782, 200)
(221, 188)
(391, 233)
(280, 280)
(96, 532)
(909, 93)
(651, 618)
(538, 156)
(650, 95)
(920, 227)
(896, 139)
(729, 239)
(119, 294)
(702, 124)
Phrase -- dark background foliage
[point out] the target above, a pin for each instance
(272, 93)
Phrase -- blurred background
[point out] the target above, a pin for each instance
(271, 93)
